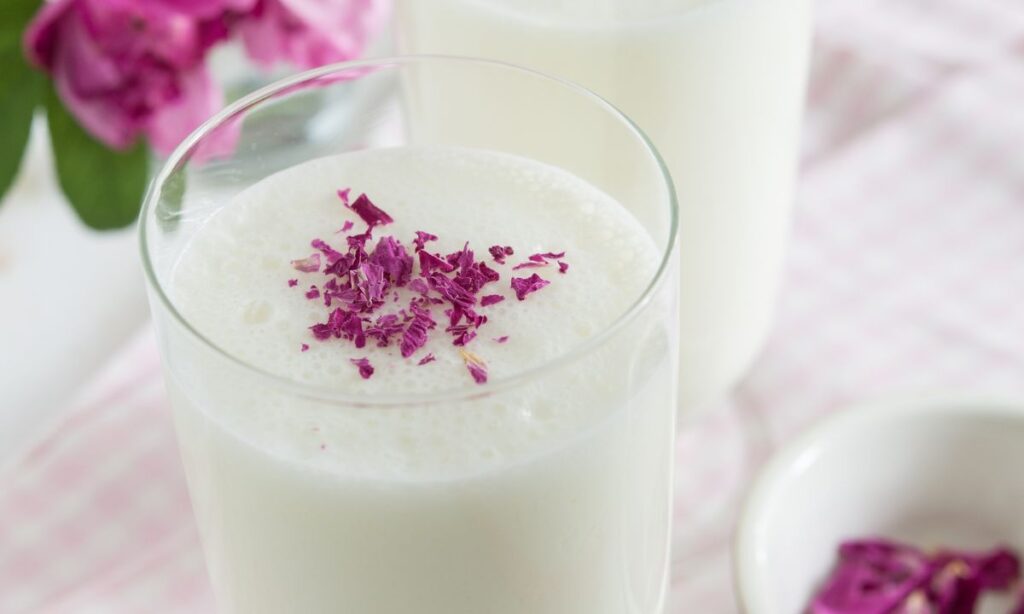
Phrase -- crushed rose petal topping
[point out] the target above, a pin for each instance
(357, 283)
(528, 285)
(365, 368)
(475, 365)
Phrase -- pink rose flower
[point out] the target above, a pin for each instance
(310, 33)
(136, 68)
(131, 68)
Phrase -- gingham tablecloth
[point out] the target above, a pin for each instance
(906, 274)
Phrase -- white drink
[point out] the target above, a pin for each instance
(717, 85)
(551, 497)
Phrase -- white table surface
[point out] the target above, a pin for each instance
(68, 297)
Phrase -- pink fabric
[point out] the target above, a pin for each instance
(906, 274)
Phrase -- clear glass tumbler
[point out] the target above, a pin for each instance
(718, 86)
(570, 520)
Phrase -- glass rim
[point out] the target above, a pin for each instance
(179, 156)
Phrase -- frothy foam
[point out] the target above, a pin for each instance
(231, 284)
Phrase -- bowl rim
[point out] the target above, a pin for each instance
(801, 449)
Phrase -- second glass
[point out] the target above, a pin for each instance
(718, 87)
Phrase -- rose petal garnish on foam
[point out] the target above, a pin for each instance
(500, 252)
(371, 285)
(450, 291)
(421, 239)
(563, 267)
(529, 265)
(384, 328)
(292, 283)
(464, 337)
(429, 262)
(329, 252)
(419, 285)
(343, 195)
(365, 368)
(416, 333)
(475, 365)
(394, 259)
(370, 213)
(540, 260)
(304, 347)
(347, 226)
(360, 283)
(527, 285)
(308, 265)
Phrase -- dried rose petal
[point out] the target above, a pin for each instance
(499, 252)
(871, 576)
(292, 283)
(332, 254)
(464, 337)
(370, 213)
(526, 285)
(394, 259)
(312, 293)
(365, 368)
(529, 265)
(384, 328)
(541, 260)
(491, 299)
(426, 359)
(304, 347)
(308, 265)
(475, 365)
(882, 576)
(563, 266)
(415, 335)
(454, 293)
(421, 239)
(343, 195)
(347, 226)
(997, 569)
(429, 262)
(419, 285)
(501, 339)
(371, 285)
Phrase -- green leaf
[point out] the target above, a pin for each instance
(21, 90)
(14, 15)
(105, 187)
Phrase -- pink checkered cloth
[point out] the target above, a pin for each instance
(906, 274)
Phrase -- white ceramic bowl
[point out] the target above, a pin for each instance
(932, 472)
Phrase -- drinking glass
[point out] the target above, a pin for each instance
(574, 521)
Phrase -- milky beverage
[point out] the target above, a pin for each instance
(716, 84)
(547, 497)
